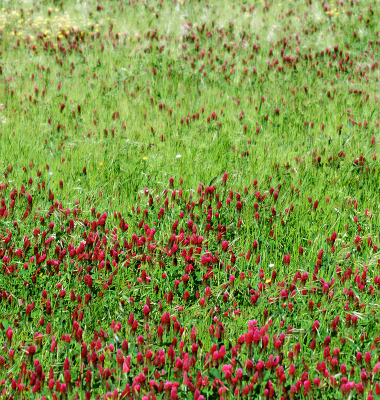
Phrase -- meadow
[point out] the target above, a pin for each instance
(189, 199)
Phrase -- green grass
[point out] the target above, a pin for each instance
(278, 96)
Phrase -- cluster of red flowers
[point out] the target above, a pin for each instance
(181, 304)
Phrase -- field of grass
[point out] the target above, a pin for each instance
(189, 199)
